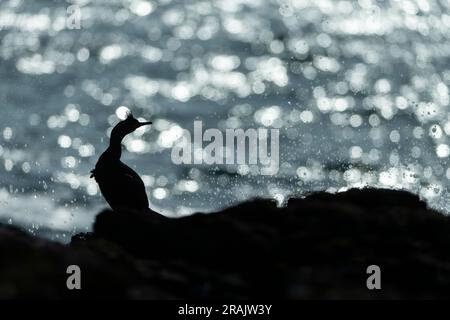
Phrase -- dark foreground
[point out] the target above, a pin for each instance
(318, 247)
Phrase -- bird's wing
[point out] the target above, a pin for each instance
(131, 173)
(136, 185)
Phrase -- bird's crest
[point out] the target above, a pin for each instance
(129, 115)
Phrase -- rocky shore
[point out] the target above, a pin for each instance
(316, 247)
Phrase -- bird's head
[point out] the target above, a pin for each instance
(127, 126)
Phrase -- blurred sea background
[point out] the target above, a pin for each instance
(358, 89)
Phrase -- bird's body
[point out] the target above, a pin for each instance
(120, 185)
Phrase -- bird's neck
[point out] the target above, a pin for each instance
(115, 147)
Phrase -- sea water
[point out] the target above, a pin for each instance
(359, 91)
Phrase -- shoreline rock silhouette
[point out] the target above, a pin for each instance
(317, 247)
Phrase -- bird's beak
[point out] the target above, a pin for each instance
(144, 123)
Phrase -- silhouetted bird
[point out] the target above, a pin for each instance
(120, 185)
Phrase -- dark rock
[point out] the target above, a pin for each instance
(317, 247)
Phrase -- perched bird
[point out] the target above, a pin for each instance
(120, 185)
